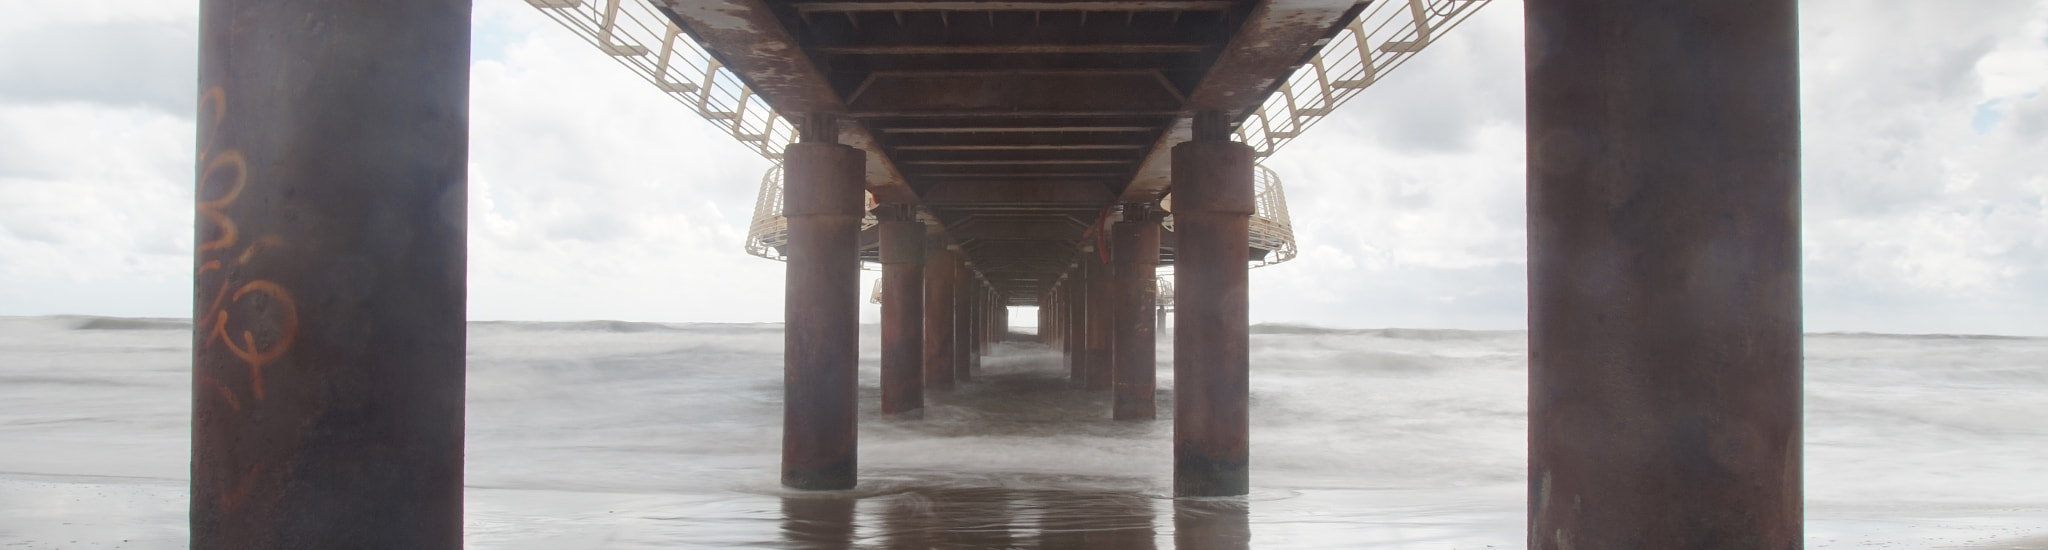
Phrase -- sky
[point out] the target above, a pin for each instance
(594, 196)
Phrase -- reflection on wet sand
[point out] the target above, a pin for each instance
(817, 522)
(1002, 517)
(1211, 524)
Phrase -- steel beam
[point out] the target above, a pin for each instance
(1135, 371)
(902, 257)
(821, 313)
(1037, 192)
(1212, 203)
(984, 6)
(1664, 283)
(329, 286)
(1011, 49)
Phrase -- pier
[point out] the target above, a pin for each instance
(988, 155)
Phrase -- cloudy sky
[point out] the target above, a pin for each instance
(594, 196)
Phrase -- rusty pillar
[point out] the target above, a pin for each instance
(995, 320)
(1212, 202)
(1101, 284)
(1664, 303)
(1002, 319)
(940, 269)
(1076, 330)
(1135, 374)
(1053, 319)
(988, 316)
(1044, 314)
(821, 315)
(963, 322)
(980, 324)
(902, 254)
(329, 284)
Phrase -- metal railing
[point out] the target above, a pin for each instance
(1382, 38)
(1272, 230)
(638, 36)
(768, 232)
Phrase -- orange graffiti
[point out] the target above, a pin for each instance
(230, 500)
(219, 101)
(228, 166)
(252, 355)
(211, 209)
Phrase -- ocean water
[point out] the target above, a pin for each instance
(637, 435)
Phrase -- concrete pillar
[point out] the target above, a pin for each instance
(329, 277)
(1664, 304)
(941, 270)
(1212, 202)
(1100, 285)
(821, 309)
(1135, 367)
(902, 255)
(963, 322)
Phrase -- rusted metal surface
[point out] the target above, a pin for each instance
(1075, 336)
(821, 315)
(746, 36)
(1273, 41)
(963, 323)
(1100, 284)
(941, 273)
(1664, 283)
(1026, 193)
(1002, 323)
(1135, 370)
(902, 258)
(329, 284)
(1212, 203)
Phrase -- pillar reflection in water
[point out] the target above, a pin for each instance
(1003, 517)
(818, 522)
